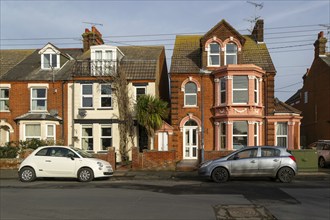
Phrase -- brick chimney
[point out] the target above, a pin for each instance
(258, 31)
(91, 38)
(319, 45)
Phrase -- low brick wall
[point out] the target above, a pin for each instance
(153, 160)
(211, 155)
(10, 163)
(110, 156)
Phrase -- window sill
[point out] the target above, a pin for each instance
(190, 107)
(4, 110)
(105, 108)
(86, 108)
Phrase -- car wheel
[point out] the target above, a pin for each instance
(27, 174)
(321, 162)
(85, 175)
(220, 175)
(285, 175)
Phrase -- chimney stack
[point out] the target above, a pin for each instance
(91, 38)
(319, 45)
(258, 31)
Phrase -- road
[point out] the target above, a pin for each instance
(161, 199)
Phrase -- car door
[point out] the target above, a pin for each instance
(269, 161)
(244, 163)
(59, 163)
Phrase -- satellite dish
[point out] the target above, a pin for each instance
(82, 112)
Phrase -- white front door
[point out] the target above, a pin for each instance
(190, 142)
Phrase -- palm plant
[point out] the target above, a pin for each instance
(150, 112)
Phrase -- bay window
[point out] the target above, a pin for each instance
(223, 90)
(282, 134)
(240, 134)
(223, 134)
(240, 89)
(32, 131)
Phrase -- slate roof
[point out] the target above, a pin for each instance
(187, 53)
(38, 116)
(10, 58)
(30, 68)
(281, 107)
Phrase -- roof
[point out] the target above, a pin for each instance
(295, 97)
(38, 116)
(281, 107)
(187, 53)
(326, 59)
(10, 58)
(30, 68)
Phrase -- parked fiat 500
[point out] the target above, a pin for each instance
(62, 161)
(263, 161)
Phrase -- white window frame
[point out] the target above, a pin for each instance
(135, 91)
(105, 96)
(36, 99)
(51, 55)
(256, 133)
(162, 136)
(240, 135)
(222, 136)
(86, 95)
(190, 94)
(223, 79)
(231, 54)
(282, 135)
(256, 91)
(87, 137)
(3, 100)
(240, 89)
(106, 137)
(32, 137)
(209, 54)
(51, 137)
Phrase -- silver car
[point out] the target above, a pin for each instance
(267, 161)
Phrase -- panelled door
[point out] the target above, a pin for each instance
(190, 142)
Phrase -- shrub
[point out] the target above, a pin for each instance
(9, 152)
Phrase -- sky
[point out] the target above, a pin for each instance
(291, 27)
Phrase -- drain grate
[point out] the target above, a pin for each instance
(240, 212)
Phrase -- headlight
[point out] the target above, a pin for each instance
(205, 164)
(100, 164)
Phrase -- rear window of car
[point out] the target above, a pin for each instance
(42, 152)
(326, 147)
(268, 152)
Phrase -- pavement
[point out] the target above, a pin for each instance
(320, 174)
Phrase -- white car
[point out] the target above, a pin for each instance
(62, 161)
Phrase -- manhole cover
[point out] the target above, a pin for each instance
(242, 212)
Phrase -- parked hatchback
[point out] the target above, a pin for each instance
(62, 161)
(323, 152)
(263, 161)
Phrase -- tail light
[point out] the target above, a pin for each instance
(293, 158)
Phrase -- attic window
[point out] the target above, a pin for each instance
(214, 54)
(231, 54)
(50, 61)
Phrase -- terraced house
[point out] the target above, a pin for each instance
(222, 95)
(67, 95)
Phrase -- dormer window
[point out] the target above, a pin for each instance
(231, 54)
(104, 59)
(214, 54)
(50, 57)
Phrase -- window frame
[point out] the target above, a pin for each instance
(105, 96)
(231, 54)
(282, 135)
(190, 94)
(87, 137)
(54, 132)
(4, 107)
(51, 62)
(87, 96)
(38, 99)
(223, 81)
(105, 137)
(210, 54)
(222, 135)
(136, 87)
(240, 89)
(256, 133)
(240, 135)
(26, 137)
(256, 90)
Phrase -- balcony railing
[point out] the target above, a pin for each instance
(95, 68)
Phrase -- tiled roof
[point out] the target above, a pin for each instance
(38, 116)
(30, 68)
(10, 58)
(281, 107)
(187, 54)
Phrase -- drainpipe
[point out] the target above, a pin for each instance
(63, 113)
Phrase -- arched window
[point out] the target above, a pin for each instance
(231, 54)
(191, 123)
(190, 94)
(214, 54)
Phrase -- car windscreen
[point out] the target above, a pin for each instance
(83, 153)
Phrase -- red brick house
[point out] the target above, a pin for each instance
(222, 94)
(313, 99)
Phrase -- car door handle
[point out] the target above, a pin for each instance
(48, 161)
(275, 160)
